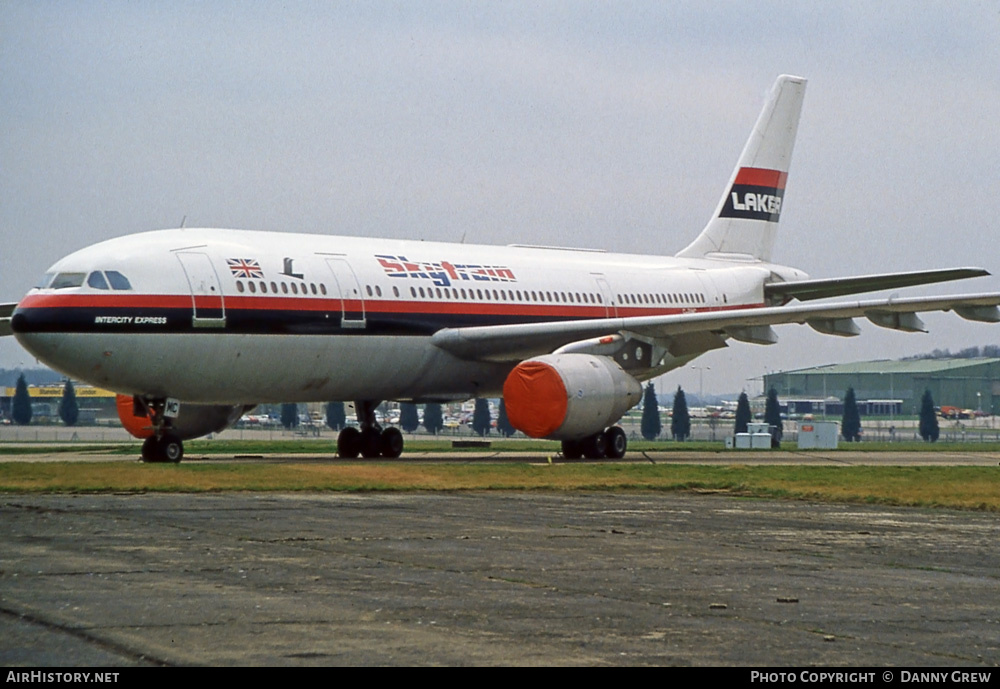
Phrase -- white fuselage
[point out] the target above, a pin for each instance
(241, 317)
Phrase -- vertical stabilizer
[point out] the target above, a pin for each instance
(746, 219)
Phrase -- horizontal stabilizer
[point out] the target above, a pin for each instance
(806, 290)
(842, 327)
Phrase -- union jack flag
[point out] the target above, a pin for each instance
(245, 268)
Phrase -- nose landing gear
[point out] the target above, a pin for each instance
(166, 448)
(164, 445)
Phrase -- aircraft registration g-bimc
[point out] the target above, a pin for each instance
(194, 327)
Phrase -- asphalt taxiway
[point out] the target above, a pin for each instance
(492, 579)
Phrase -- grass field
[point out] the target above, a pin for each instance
(973, 488)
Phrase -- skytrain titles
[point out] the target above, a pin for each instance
(443, 274)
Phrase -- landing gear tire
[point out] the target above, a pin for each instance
(595, 446)
(349, 443)
(571, 449)
(391, 443)
(171, 448)
(370, 438)
(616, 442)
(150, 451)
(168, 448)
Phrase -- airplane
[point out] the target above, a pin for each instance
(194, 327)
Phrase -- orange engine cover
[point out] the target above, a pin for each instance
(568, 396)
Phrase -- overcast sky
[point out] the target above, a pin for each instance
(600, 124)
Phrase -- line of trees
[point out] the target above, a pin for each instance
(433, 420)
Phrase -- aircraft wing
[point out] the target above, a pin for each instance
(501, 343)
(805, 290)
(5, 312)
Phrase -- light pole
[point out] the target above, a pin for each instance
(701, 382)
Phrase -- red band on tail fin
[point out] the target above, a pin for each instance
(759, 177)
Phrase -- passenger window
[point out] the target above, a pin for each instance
(239, 286)
(97, 281)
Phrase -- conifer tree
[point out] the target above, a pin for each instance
(680, 424)
(481, 417)
(929, 429)
(409, 420)
(850, 423)
(772, 415)
(69, 409)
(336, 418)
(504, 426)
(743, 414)
(290, 415)
(20, 409)
(651, 426)
(433, 418)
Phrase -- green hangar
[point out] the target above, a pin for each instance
(964, 383)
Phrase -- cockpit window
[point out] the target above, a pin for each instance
(97, 281)
(67, 280)
(44, 282)
(117, 280)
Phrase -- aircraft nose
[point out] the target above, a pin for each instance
(18, 322)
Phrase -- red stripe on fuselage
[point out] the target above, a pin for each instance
(111, 301)
(759, 177)
(325, 304)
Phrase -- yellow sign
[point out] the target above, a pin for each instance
(57, 391)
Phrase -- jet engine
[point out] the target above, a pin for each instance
(193, 420)
(568, 396)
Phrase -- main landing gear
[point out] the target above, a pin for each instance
(608, 444)
(371, 440)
